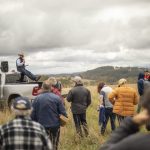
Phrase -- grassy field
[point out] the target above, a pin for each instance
(69, 139)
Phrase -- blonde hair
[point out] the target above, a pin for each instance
(52, 81)
(122, 82)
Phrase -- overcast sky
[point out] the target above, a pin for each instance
(63, 36)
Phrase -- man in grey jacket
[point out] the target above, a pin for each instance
(80, 99)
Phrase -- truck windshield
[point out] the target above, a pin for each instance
(12, 78)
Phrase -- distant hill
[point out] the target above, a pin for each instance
(112, 74)
(108, 74)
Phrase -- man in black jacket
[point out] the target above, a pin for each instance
(126, 137)
(80, 99)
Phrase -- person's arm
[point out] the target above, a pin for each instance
(61, 108)
(34, 113)
(102, 95)
(19, 63)
(70, 96)
(121, 138)
(135, 102)
(89, 98)
(140, 86)
(112, 96)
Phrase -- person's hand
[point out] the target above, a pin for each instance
(142, 118)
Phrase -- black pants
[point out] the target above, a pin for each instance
(108, 115)
(80, 121)
(120, 119)
(54, 134)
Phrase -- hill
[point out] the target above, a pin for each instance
(112, 74)
(108, 74)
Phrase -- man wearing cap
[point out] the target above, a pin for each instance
(22, 133)
(124, 98)
(20, 64)
(47, 108)
(80, 99)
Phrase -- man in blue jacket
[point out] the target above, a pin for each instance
(47, 108)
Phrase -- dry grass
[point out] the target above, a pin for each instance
(69, 139)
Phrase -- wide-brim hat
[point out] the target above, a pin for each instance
(21, 54)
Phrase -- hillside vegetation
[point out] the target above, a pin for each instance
(108, 74)
(111, 75)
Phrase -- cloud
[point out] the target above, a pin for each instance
(78, 34)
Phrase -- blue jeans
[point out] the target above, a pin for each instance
(24, 72)
(108, 114)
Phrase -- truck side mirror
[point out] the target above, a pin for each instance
(4, 66)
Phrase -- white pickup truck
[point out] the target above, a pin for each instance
(10, 88)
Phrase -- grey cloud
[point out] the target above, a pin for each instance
(67, 26)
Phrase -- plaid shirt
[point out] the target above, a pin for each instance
(23, 134)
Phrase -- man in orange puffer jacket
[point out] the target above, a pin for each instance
(124, 98)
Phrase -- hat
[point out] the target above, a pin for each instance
(21, 54)
(121, 82)
(21, 103)
(77, 79)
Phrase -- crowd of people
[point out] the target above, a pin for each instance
(37, 125)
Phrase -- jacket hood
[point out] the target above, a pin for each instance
(141, 76)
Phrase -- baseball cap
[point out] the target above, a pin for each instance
(22, 103)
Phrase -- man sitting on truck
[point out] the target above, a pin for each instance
(20, 64)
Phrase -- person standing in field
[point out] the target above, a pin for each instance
(140, 86)
(146, 75)
(56, 87)
(124, 98)
(80, 98)
(22, 133)
(47, 108)
(106, 106)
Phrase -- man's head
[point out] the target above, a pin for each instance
(141, 76)
(21, 106)
(122, 82)
(77, 80)
(46, 85)
(21, 54)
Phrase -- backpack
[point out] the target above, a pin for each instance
(58, 85)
